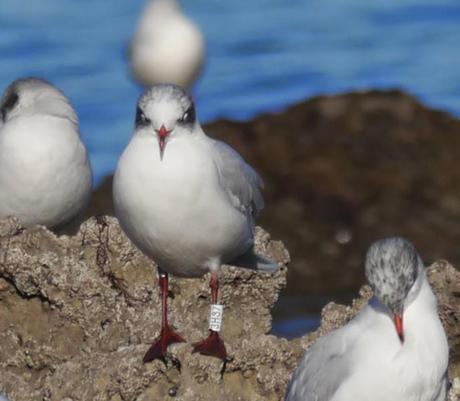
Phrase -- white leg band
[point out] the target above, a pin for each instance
(215, 317)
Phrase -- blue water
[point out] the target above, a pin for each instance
(262, 55)
(295, 327)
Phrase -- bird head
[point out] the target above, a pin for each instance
(35, 96)
(165, 111)
(392, 268)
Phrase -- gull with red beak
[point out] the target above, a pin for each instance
(188, 202)
(394, 349)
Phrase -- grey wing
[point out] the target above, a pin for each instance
(242, 184)
(322, 370)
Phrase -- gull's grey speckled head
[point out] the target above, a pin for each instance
(33, 96)
(392, 267)
(167, 105)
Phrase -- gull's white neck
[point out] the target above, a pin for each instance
(425, 343)
(420, 308)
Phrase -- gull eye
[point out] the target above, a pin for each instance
(188, 117)
(141, 119)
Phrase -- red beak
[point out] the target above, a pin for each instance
(162, 135)
(398, 320)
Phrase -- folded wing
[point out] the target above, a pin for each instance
(240, 181)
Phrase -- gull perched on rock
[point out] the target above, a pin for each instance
(395, 349)
(45, 174)
(167, 47)
(188, 202)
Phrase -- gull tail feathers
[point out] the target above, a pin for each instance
(253, 261)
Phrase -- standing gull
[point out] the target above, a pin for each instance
(187, 201)
(167, 47)
(45, 174)
(395, 349)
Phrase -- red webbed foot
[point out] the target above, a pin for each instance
(159, 347)
(211, 346)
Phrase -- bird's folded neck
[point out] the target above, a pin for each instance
(421, 320)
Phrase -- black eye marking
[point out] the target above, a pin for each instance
(141, 119)
(8, 104)
(188, 117)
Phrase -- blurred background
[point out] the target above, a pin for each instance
(340, 170)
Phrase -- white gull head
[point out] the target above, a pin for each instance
(166, 110)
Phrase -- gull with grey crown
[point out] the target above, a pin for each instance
(167, 46)
(394, 349)
(187, 201)
(45, 173)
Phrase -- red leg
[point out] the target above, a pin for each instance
(167, 335)
(213, 344)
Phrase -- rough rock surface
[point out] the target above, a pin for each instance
(78, 313)
(352, 168)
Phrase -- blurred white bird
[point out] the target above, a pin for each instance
(187, 201)
(395, 349)
(45, 174)
(167, 46)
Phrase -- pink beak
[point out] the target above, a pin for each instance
(162, 135)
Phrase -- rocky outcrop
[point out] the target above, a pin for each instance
(78, 313)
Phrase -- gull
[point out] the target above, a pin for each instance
(395, 349)
(188, 202)
(167, 46)
(45, 174)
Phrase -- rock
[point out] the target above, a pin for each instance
(350, 168)
(445, 281)
(454, 393)
(78, 313)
